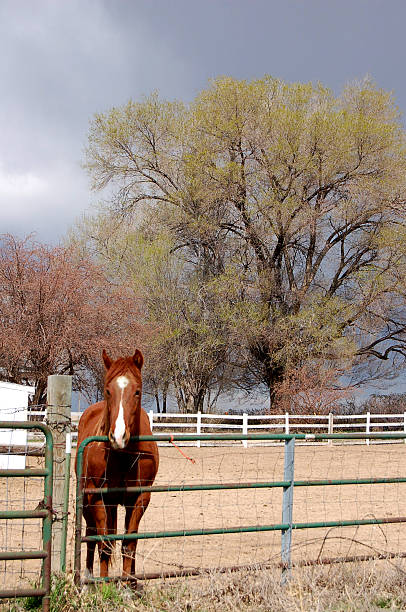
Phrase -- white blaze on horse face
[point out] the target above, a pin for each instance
(119, 429)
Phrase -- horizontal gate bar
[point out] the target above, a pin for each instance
(198, 571)
(348, 559)
(25, 514)
(22, 593)
(198, 487)
(247, 529)
(260, 436)
(241, 485)
(187, 532)
(22, 554)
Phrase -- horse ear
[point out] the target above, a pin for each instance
(138, 359)
(107, 360)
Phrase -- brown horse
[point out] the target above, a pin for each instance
(117, 463)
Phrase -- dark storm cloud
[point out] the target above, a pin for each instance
(62, 61)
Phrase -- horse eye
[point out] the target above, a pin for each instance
(137, 392)
(108, 393)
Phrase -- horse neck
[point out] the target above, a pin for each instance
(137, 422)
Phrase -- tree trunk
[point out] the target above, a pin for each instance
(275, 377)
(272, 375)
(40, 393)
(188, 400)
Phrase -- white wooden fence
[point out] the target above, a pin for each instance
(245, 423)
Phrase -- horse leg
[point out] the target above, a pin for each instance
(133, 516)
(146, 470)
(102, 528)
(128, 557)
(112, 520)
(91, 546)
(111, 527)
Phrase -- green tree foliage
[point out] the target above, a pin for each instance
(288, 205)
(184, 335)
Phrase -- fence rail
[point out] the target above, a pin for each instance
(245, 423)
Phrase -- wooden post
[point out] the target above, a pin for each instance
(245, 429)
(286, 422)
(330, 426)
(368, 426)
(404, 425)
(59, 405)
(198, 427)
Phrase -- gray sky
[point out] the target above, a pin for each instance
(61, 61)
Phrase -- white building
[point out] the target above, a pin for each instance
(13, 407)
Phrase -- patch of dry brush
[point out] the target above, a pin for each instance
(347, 587)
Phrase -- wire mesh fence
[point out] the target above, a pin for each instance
(21, 534)
(221, 510)
(25, 515)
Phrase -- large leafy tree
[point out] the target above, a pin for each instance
(183, 332)
(289, 202)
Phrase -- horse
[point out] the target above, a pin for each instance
(120, 462)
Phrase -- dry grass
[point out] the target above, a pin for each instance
(338, 588)
(317, 589)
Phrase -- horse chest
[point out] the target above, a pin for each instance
(122, 468)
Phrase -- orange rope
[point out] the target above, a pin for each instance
(181, 451)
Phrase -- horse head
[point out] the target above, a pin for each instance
(122, 392)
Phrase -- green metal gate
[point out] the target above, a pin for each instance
(287, 484)
(43, 511)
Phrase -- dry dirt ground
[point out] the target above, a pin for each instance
(219, 509)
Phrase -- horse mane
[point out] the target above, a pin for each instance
(119, 367)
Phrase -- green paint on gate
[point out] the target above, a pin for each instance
(44, 511)
(245, 485)
(248, 529)
(285, 484)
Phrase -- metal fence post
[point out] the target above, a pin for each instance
(287, 508)
(59, 406)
